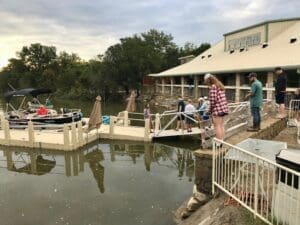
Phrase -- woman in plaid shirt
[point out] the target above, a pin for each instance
(218, 107)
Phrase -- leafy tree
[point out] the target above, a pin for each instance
(121, 68)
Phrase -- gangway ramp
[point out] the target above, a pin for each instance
(174, 133)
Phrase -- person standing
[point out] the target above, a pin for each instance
(147, 115)
(180, 117)
(256, 100)
(280, 89)
(189, 112)
(218, 106)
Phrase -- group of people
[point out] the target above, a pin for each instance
(216, 106)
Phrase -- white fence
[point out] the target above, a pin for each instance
(267, 189)
(294, 113)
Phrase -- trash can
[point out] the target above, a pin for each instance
(289, 158)
(287, 197)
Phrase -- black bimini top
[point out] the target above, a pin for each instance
(34, 92)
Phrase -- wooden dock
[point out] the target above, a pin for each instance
(74, 136)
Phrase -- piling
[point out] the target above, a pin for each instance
(111, 125)
(73, 136)
(6, 132)
(147, 129)
(66, 137)
(157, 123)
(125, 118)
(30, 134)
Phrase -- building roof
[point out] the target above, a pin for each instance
(259, 24)
(279, 52)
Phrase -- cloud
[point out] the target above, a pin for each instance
(90, 27)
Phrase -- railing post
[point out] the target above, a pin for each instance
(147, 129)
(80, 133)
(2, 121)
(6, 132)
(157, 123)
(125, 118)
(30, 134)
(256, 186)
(66, 137)
(111, 125)
(213, 167)
(73, 135)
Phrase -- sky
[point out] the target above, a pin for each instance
(89, 27)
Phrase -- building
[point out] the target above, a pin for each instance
(258, 48)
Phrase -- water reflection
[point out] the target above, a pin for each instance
(41, 162)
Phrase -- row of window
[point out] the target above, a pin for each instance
(244, 42)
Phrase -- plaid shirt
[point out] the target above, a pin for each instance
(217, 100)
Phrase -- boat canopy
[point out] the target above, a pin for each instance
(34, 92)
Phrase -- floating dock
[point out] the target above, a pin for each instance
(73, 136)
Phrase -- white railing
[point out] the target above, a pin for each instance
(267, 189)
(294, 113)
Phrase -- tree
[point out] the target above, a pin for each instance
(37, 57)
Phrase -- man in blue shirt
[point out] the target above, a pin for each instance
(256, 100)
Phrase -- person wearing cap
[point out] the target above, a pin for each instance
(218, 106)
(256, 100)
(280, 88)
(202, 105)
(202, 117)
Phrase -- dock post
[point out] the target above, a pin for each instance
(147, 129)
(6, 132)
(73, 135)
(30, 134)
(66, 137)
(125, 118)
(80, 133)
(157, 123)
(2, 121)
(111, 125)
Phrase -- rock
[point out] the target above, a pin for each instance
(200, 197)
(193, 204)
(185, 214)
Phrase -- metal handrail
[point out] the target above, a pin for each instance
(265, 188)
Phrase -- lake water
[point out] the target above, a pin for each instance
(107, 183)
(113, 183)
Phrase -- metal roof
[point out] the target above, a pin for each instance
(279, 52)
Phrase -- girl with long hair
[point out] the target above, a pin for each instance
(218, 106)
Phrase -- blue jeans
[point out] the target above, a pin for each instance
(255, 111)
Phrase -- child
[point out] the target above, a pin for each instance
(147, 115)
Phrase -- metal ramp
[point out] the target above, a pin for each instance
(174, 133)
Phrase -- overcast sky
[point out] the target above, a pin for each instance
(89, 27)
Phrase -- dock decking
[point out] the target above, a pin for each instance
(74, 136)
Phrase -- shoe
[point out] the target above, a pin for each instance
(253, 129)
(218, 145)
